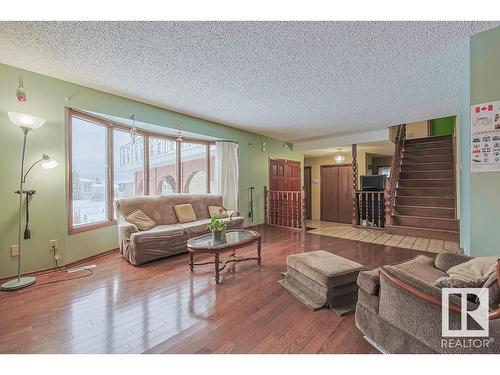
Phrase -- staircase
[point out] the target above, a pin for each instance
(425, 203)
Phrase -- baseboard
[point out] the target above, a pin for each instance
(44, 271)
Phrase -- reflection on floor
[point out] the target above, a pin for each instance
(346, 231)
(324, 224)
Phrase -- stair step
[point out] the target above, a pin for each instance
(426, 201)
(427, 182)
(427, 145)
(426, 174)
(416, 159)
(426, 222)
(438, 234)
(433, 138)
(415, 152)
(424, 211)
(426, 166)
(426, 191)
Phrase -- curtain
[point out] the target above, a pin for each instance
(226, 162)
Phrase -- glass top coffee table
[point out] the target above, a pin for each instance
(233, 240)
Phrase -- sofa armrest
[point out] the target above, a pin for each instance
(427, 292)
(369, 281)
(125, 231)
(444, 261)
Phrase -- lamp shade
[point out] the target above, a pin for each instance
(48, 163)
(24, 120)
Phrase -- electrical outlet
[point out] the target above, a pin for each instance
(53, 244)
(14, 250)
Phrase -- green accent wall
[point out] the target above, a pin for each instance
(443, 126)
(48, 97)
(484, 187)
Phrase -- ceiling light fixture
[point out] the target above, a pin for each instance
(339, 158)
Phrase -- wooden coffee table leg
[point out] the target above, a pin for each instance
(216, 262)
(259, 248)
(191, 261)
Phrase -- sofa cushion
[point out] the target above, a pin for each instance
(217, 210)
(445, 260)
(161, 208)
(475, 270)
(140, 220)
(449, 282)
(326, 268)
(234, 220)
(369, 281)
(494, 291)
(185, 213)
(195, 227)
(159, 232)
(421, 268)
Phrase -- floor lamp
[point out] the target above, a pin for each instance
(26, 123)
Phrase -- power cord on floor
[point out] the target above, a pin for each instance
(89, 273)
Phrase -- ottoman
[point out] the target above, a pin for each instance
(319, 278)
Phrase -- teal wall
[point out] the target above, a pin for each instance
(484, 187)
(463, 129)
(46, 98)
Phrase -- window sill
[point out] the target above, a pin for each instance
(90, 227)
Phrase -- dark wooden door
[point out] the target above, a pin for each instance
(329, 193)
(345, 194)
(308, 187)
(336, 193)
(284, 175)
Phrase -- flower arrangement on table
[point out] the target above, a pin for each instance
(217, 225)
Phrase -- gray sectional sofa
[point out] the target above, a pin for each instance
(399, 308)
(168, 237)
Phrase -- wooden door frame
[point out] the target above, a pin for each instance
(269, 159)
(309, 193)
(321, 183)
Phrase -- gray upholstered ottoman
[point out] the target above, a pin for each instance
(319, 278)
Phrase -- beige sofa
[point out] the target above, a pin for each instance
(168, 237)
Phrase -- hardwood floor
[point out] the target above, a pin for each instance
(162, 307)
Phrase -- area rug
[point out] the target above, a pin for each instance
(382, 238)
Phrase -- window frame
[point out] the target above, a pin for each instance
(110, 127)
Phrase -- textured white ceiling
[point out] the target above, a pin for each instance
(290, 80)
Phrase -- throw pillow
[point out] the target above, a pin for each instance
(185, 213)
(477, 269)
(140, 220)
(217, 210)
(448, 282)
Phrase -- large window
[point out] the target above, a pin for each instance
(89, 174)
(148, 164)
(128, 165)
(162, 166)
(194, 168)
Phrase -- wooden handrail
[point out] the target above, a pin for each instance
(391, 184)
(493, 314)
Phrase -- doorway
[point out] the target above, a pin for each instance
(284, 175)
(308, 187)
(336, 193)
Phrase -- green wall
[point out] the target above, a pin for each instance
(484, 187)
(443, 126)
(47, 99)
